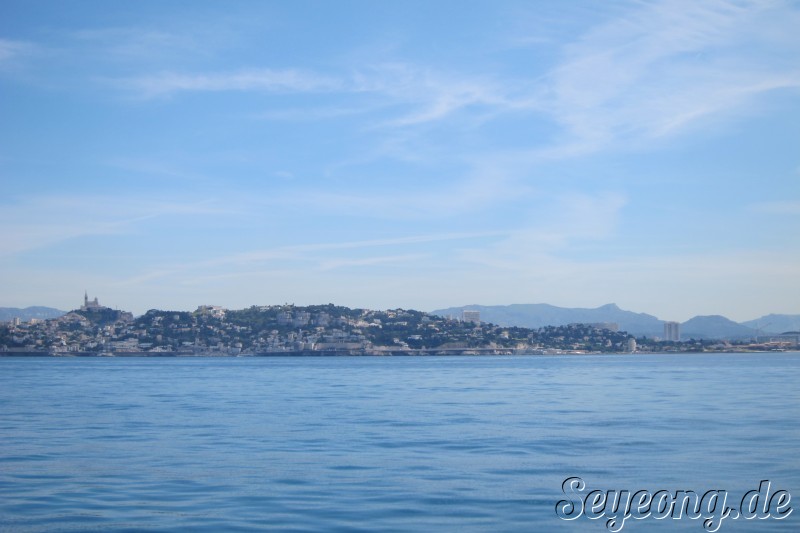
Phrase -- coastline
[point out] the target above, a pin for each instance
(372, 353)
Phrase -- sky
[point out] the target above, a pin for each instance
(408, 154)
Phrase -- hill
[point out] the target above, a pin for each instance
(714, 327)
(774, 323)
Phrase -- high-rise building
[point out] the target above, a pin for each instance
(672, 331)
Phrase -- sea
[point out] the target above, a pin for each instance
(472, 443)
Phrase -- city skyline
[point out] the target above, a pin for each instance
(402, 156)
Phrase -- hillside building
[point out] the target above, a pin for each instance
(471, 316)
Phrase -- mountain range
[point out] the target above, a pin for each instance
(639, 324)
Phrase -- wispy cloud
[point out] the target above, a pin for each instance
(313, 113)
(666, 65)
(331, 264)
(312, 256)
(297, 251)
(135, 43)
(407, 94)
(272, 80)
(648, 73)
(436, 94)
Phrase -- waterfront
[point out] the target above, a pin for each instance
(366, 444)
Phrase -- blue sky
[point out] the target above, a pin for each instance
(402, 154)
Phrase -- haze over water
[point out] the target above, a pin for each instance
(384, 444)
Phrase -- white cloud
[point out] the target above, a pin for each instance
(145, 44)
(312, 113)
(409, 95)
(335, 263)
(650, 72)
(286, 80)
(300, 250)
(303, 258)
(666, 65)
(435, 94)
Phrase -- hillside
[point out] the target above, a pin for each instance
(774, 323)
(265, 330)
(714, 327)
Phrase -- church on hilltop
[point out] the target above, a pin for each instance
(96, 312)
(90, 305)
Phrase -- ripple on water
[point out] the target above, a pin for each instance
(379, 444)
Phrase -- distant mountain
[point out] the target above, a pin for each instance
(774, 323)
(540, 315)
(639, 324)
(42, 313)
(714, 327)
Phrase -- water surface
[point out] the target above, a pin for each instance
(384, 444)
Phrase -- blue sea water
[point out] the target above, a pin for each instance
(385, 444)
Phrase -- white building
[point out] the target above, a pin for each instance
(471, 316)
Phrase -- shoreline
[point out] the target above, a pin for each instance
(387, 353)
